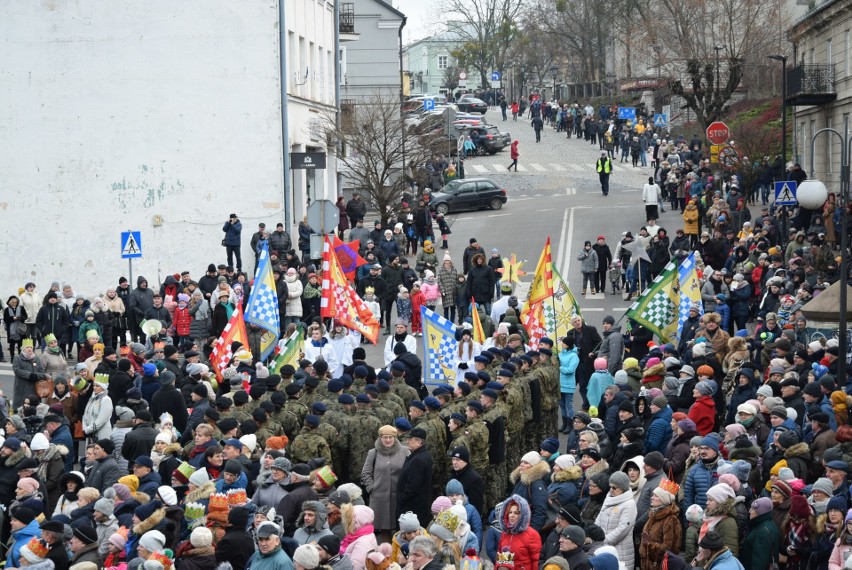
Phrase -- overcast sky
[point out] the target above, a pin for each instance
(422, 19)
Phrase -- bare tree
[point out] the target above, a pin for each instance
(375, 148)
(451, 79)
(580, 29)
(697, 33)
(487, 28)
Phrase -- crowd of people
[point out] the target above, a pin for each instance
(124, 447)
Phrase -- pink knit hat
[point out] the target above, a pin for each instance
(441, 504)
(600, 363)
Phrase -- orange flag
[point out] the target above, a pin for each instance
(542, 285)
(478, 332)
(340, 301)
(235, 330)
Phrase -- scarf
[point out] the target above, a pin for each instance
(25, 356)
(196, 450)
(709, 523)
(229, 309)
(350, 538)
(797, 536)
(53, 349)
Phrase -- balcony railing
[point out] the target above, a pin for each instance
(811, 84)
(347, 18)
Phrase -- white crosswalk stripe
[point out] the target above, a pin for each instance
(557, 167)
(576, 167)
(538, 167)
(479, 168)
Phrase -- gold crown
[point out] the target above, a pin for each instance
(237, 497)
(27, 342)
(37, 547)
(448, 520)
(669, 486)
(186, 469)
(369, 290)
(506, 557)
(218, 502)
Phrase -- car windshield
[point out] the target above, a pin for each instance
(474, 100)
(492, 131)
(452, 186)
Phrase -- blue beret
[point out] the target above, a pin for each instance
(371, 388)
(464, 387)
(384, 374)
(483, 375)
(398, 366)
(383, 386)
(532, 353)
(481, 359)
(346, 379)
(402, 424)
(476, 405)
(440, 391)
(458, 417)
(526, 359)
(507, 353)
(345, 399)
(319, 407)
(545, 351)
(496, 386)
(546, 340)
(488, 355)
(470, 375)
(432, 402)
(312, 420)
(510, 366)
(495, 350)
(490, 393)
(417, 404)
(362, 399)
(335, 385)
(360, 371)
(506, 373)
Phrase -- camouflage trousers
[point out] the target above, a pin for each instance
(531, 437)
(515, 448)
(549, 425)
(496, 485)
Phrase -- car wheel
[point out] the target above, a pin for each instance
(496, 203)
(492, 152)
(443, 208)
(480, 151)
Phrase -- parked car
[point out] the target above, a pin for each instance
(472, 105)
(491, 140)
(468, 194)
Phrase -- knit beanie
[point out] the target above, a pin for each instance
(721, 492)
(153, 541)
(620, 480)
(408, 522)
(441, 504)
(307, 556)
(201, 537)
(763, 505)
(531, 457)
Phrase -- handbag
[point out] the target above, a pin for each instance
(44, 388)
(420, 267)
(78, 430)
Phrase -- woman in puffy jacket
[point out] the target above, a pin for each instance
(518, 536)
(618, 516)
(359, 540)
(530, 480)
(703, 411)
(568, 363)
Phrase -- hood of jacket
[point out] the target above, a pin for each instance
(149, 523)
(321, 518)
(658, 369)
(202, 493)
(799, 450)
(355, 517)
(523, 521)
(614, 329)
(573, 473)
(598, 467)
(140, 280)
(534, 473)
(614, 500)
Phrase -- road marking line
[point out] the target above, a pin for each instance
(521, 168)
(497, 167)
(569, 229)
(557, 167)
(561, 257)
(594, 309)
(570, 191)
(538, 167)
(498, 215)
(479, 168)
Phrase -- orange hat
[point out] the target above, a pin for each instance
(277, 442)
(705, 370)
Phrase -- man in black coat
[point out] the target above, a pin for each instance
(170, 352)
(52, 533)
(169, 399)
(298, 491)
(120, 383)
(464, 473)
(481, 282)
(414, 486)
(237, 546)
(587, 340)
(139, 440)
(105, 471)
(52, 318)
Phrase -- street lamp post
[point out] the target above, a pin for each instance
(718, 49)
(553, 71)
(811, 195)
(783, 60)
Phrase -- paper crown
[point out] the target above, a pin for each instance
(37, 547)
(79, 384)
(124, 350)
(237, 497)
(471, 560)
(506, 557)
(186, 469)
(27, 342)
(193, 511)
(669, 486)
(243, 356)
(218, 502)
(49, 337)
(447, 520)
(163, 558)
(102, 379)
(370, 290)
(326, 476)
(159, 345)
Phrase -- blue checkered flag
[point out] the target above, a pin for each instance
(262, 309)
(440, 348)
(689, 290)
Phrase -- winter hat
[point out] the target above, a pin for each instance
(741, 469)
(799, 507)
(200, 477)
(565, 461)
(655, 460)
(146, 510)
(600, 364)
(531, 457)
(699, 349)
(601, 480)
(630, 363)
(122, 492)
(104, 506)
(665, 497)
(153, 541)
(695, 514)
(28, 485)
(835, 503)
(660, 401)
(711, 440)
(118, 540)
(620, 480)
(746, 409)
(408, 522)
(24, 515)
(168, 495)
(39, 442)
(201, 537)
(705, 388)
(441, 504)
(782, 488)
(824, 485)
(550, 445)
(763, 505)
(721, 492)
(730, 480)
(306, 556)
(621, 377)
(786, 474)
(765, 391)
(454, 487)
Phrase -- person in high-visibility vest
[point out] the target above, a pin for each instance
(604, 169)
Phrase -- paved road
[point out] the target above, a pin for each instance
(555, 193)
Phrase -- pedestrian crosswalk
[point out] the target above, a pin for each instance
(483, 168)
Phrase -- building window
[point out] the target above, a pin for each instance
(342, 64)
(443, 61)
(828, 52)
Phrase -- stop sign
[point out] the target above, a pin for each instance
(718, 133)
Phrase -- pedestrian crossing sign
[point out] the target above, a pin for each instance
(785, 193)
(661, 120)
(131, 245)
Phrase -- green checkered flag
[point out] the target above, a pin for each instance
(560, 308)
(657, 308)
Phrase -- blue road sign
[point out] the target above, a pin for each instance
(495, 76)
(131, 245)
(428, 104)
(661, 120)
(627, 113)
(785, 193)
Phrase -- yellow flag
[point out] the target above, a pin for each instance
(478, 332)
(542, 285)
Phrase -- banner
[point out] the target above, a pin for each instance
(657, 308)
(347, 256)
(340, 301)
(560, 308)
(532, 317)
(262, 308)
(478, 332)
(440, 348)
(289, 351)
(690, 290)
(542, 284)
(235, 330)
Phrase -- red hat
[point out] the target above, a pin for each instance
(601, 237)
(799, 507)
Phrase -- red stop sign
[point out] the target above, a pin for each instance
(718, 133)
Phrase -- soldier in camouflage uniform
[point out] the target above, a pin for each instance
(285, 418)
(228, 427)
(325, 429)
(444, 395)
(398, 385)
(441, 461)
(436, 440)
(362, 435)
(239, 412)
(224, 405)
(391, 401)
(550, 388)
(293, 404)
(359, 378)
(311, 393)
(263, 433)
(309, 443)
(477, 435)
(532, 391)
(458, 434)
(377, 406)
(495, 420)
(513, 398)
(342, 418)
(256, 391)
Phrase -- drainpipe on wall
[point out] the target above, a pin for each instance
(285, 124)
(401, 89)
